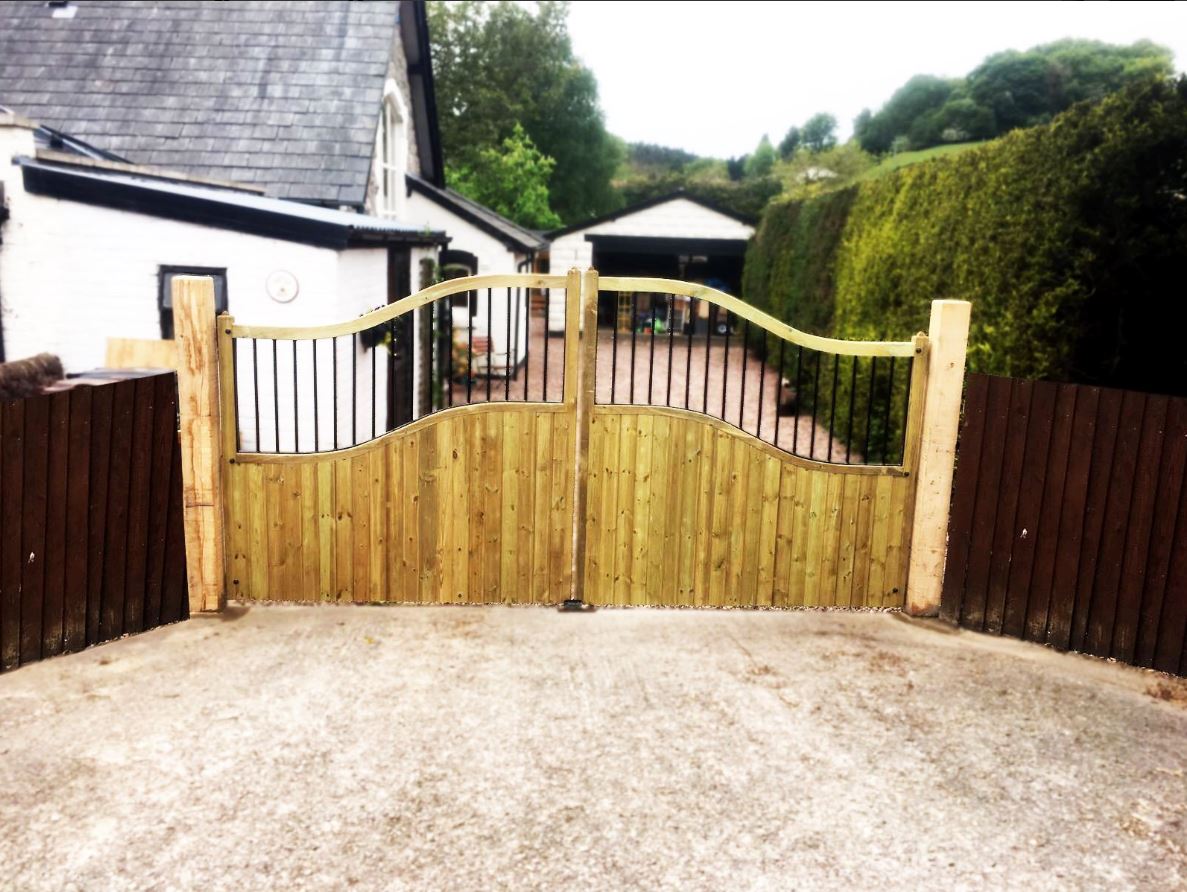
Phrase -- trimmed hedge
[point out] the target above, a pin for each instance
(1070, 239)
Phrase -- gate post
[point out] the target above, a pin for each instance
(587, 365)
(198, 404)
(948, 334)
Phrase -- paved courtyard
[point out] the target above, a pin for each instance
(505, 748)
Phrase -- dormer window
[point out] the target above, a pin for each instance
(393, 153)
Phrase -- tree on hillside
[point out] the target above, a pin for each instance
(819, 132)
(496, 64)
(512, 180)
(759, 164)
(1008, 90)
(790, 142)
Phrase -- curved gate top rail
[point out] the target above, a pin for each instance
(758, 317)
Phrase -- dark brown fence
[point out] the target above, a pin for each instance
(1069, 519)
(91, 539)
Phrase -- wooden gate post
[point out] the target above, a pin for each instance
(586, 382)
(948, 334)
(198, 403)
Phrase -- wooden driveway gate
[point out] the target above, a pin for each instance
(694, 451)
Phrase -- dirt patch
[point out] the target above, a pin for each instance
(1172, 690)
(490, 748)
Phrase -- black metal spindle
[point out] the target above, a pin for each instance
(547, 322)
(276, 394)
(799, 391)
(406, 342)
(391, 375)
(852, 400)
(235, 381)
(614, 353)
(711, 321)
(490, 342)
(762, 379)
(779, 388)
(815, 406)
(525, 295)
(316, 427)
(507, 363)
(870, 408)
(745, 351)
(832, 412)
(470, 348)
(255, 373)
(634, 333)
(725, 366)
(334, 344)
(354, 388)
(906, 412)
(671, 334)
(886, 414)
(692, 322)
(449, 352)
(296, 401)
(651, 357)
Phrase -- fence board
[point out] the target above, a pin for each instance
(88, 485)
(1097, 479)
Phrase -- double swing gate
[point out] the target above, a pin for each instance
(679, 448)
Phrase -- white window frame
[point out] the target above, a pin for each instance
(392, 152)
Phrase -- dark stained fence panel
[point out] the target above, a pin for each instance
(1069, 519)
(91, 539)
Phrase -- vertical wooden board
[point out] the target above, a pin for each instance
(1107, 488)
(1008, 492)
(654, 535)
(561, 509)
(641, 527)
(814, 547)
(377, 566)
(703, 518)
(12, 434)
(1038, 593)
(993, 449)
(251, 485)
(492, 516)
(364, 539)
(610, 431)
(721, 520)
(1031, 486)
(768, 527)
(77, 495)
(293, 522)
(628, 441)
(688, 463)
(407, 587)
(830, 554)
(847, 540)
(139, 483)
(801, 526)
(102, 404)
(1140, 516)
(750, 519)
(1070, 533)
(56, 521)
(311, 552)
(521, 458)
(175, 595)
(864, 543)
(1171, 645)
(434, 510)
(540, 496)
(894, 582)
(964, 497)
(344, 589)
(784, 532)
(324, 472)
(595, 519)
(876, 584)
(509, 518)
(111, 608)
(1168, 508)
(734, 507)
(237, 527)
(676, 507)
(164, 438)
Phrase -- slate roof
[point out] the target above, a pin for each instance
(280, 94)
(224, 208)
(506, 231)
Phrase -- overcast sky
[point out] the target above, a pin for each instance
(712, 77)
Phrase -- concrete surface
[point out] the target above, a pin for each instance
(501, 748)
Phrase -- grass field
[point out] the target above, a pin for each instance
(903, 159)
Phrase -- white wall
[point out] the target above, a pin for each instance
(677, 218)
(494, 258)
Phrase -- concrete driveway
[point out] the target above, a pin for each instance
(499, 748)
